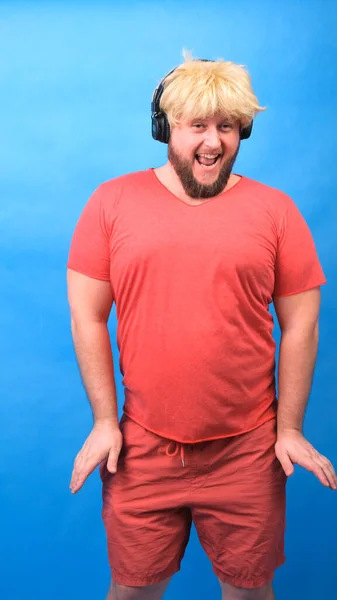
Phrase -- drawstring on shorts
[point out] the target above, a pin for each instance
(177, 446)
(174, 448)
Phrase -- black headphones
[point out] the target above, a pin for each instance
(160, 124)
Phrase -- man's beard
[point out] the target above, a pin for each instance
(192, 187)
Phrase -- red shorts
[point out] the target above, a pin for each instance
(232, 489)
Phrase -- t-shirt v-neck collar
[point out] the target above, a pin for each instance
(225, 194)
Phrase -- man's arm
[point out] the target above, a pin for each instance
(298, 318)
(90, 303)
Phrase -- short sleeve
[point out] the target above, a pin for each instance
(297, 266)
(89, 250)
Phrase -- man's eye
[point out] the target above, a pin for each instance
(226, 126)
(198, 125)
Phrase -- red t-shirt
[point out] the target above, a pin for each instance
(192, 286)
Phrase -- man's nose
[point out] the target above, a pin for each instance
(212, 138)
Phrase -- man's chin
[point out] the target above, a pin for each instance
(210, 184)
(204, 190)
(206, 180)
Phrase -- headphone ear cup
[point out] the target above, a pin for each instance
(246, 131)
(166, 130)
(160, 128)
(155, 127)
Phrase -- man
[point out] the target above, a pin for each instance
(193, 255)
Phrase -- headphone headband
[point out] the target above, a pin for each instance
(160, 124)
(157, 94)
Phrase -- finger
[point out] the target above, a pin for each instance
(323, 465)
(317, 470)
(113, 460)
(334, 477)
(74, 475)
(82, 470)
(77, 468)
(329, 472)
(78, 480)
(286, 463)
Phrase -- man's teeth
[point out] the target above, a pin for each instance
(209, 155)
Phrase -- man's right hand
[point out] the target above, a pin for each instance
(104, 442)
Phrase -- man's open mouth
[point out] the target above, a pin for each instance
(207, 160)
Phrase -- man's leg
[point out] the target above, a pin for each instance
(239, 512)
(229, 592)
(149, 592)
(145, 515)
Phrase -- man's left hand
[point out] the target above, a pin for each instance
(292, 448)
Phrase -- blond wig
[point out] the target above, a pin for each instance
(199, 89)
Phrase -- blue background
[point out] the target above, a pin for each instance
(77, 80)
